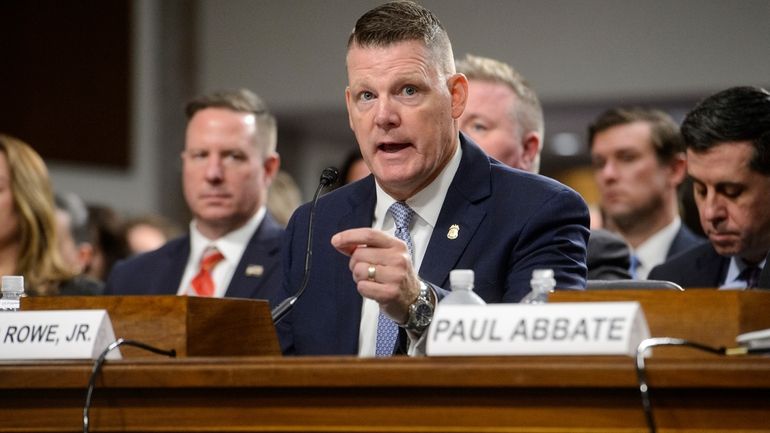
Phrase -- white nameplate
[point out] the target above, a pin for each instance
(568, 328)
(56, 334)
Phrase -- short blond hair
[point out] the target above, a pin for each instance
(242, 101)
(527, 112)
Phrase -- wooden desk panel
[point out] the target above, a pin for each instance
(519, 394)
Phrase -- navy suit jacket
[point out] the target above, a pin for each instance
(510, 222)
(160, 272)
(683, 241)
(698, 267)
(764, 276)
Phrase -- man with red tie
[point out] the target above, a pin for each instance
(233, 246)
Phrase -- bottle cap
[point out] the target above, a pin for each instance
(539, 274)
(461, 278)
(13, 283)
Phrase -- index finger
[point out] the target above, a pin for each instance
(347, 241)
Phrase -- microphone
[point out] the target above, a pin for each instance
(328, 177)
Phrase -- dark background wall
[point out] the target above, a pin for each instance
(122, 114)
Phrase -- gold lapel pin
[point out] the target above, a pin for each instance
(254, 270)
(454, 231)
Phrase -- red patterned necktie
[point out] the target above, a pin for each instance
(203, 284)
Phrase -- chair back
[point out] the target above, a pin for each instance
(632, 285)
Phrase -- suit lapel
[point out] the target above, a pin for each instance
(465, 208)
(711, 268)
(256, 261)
(176, 262)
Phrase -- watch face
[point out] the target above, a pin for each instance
(423, 313)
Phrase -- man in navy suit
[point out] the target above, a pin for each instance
(728, 159)
(639, 162)
(504, 117)
(233, 248)
(384, 246)
(503, 114)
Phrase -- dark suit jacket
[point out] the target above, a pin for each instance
(764, 277)
(683, 241)
(698, 267)
(609, 256)
(511, 222)
(160, 272)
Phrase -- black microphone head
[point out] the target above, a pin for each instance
(329, 176)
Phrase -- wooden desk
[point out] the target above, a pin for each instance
(270, 394)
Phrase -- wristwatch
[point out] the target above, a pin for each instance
(420, 311)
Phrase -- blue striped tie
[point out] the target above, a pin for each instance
(632, 268)
(387, 330)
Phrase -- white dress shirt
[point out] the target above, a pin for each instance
(231, 245)
(653, 251)
(427, 206)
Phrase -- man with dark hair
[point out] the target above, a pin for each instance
(75, 244)
(728, 159)
(639, 162)
(384, 246)
(233, 248)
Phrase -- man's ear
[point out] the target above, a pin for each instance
(458, 89)
(678, 169)
(271, 164)
(531, 144)
(348, 105)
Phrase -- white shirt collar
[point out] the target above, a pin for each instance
(426, 203)
(232, 245)
(653, 251)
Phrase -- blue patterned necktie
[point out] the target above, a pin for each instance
(634, 264)
(750, 275)
(387, 330)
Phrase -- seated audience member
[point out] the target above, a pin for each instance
(639, 162)
(148, 232)
(108, 240)
(384, 245)
(73, 229)
(504, 117)
(233, 248)
(728, 158)
(354, 168)
(283, 197)
(503, 114)
(29, 239)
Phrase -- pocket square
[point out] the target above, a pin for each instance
(254, 270)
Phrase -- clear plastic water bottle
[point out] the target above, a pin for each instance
(462, 292)
(12, 289)
(542, 283)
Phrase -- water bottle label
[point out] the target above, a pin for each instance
(9, 304)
